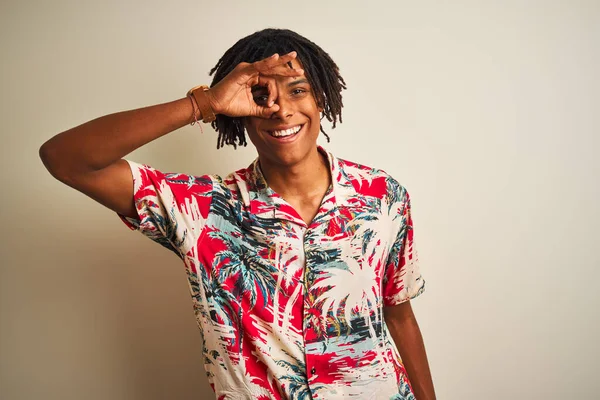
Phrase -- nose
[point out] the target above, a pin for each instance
(286, 109)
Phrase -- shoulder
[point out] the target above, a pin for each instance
(371, 181)
(180, 183)
(237, 184)
(237, 179)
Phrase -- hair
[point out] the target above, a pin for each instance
(320, 70)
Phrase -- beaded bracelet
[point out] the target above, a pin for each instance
(194, 108)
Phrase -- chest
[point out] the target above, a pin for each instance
(337, 261)
(307, 207)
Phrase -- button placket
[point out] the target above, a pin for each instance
(307, 325)
(309, 329)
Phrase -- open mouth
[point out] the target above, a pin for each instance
(286, 133)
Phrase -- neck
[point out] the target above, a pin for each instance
(308, 178)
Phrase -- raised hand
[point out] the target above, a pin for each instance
(232, 96)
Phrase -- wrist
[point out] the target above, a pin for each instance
(212, 101)
(201, 95)
(196, 113)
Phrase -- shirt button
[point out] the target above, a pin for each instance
(313, 370)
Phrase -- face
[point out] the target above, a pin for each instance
(289, 136)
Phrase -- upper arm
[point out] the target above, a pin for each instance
(111, 186)
(398, 314)
(169, 208)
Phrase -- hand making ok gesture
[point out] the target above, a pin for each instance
(232, 96)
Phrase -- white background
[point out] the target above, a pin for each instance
(487, 111)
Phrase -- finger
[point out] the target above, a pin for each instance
(266, 112)
(271, 86)
(266, 63)
(283, 71)
(274, 61)
(286, 58)
(253, 80)
(244, 71)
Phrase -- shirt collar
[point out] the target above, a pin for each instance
(263, 202)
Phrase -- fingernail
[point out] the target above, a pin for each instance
(300, 71)
(271, 103)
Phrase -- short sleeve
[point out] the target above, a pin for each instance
(402, 280)
(172, 208)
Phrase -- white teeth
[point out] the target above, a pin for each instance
(286, 132)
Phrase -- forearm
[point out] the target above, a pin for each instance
(99, 143)
(409, 341)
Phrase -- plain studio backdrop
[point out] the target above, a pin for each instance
(486, 111)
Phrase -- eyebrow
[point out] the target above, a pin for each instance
(298, 82)
(258, 88)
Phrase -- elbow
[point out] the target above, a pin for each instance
(51, 159)
(45, 154)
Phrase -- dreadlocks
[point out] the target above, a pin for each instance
(322, 74)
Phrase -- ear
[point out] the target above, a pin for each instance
(321, 103)
(320, 106)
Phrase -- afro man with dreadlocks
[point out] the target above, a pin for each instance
(302, 265)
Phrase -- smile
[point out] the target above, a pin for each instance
(286, 132)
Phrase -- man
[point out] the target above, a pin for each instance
(301, 266)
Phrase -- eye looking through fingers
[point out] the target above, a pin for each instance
(260, 94)
(264, 89)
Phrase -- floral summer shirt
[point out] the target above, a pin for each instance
(289, 310)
